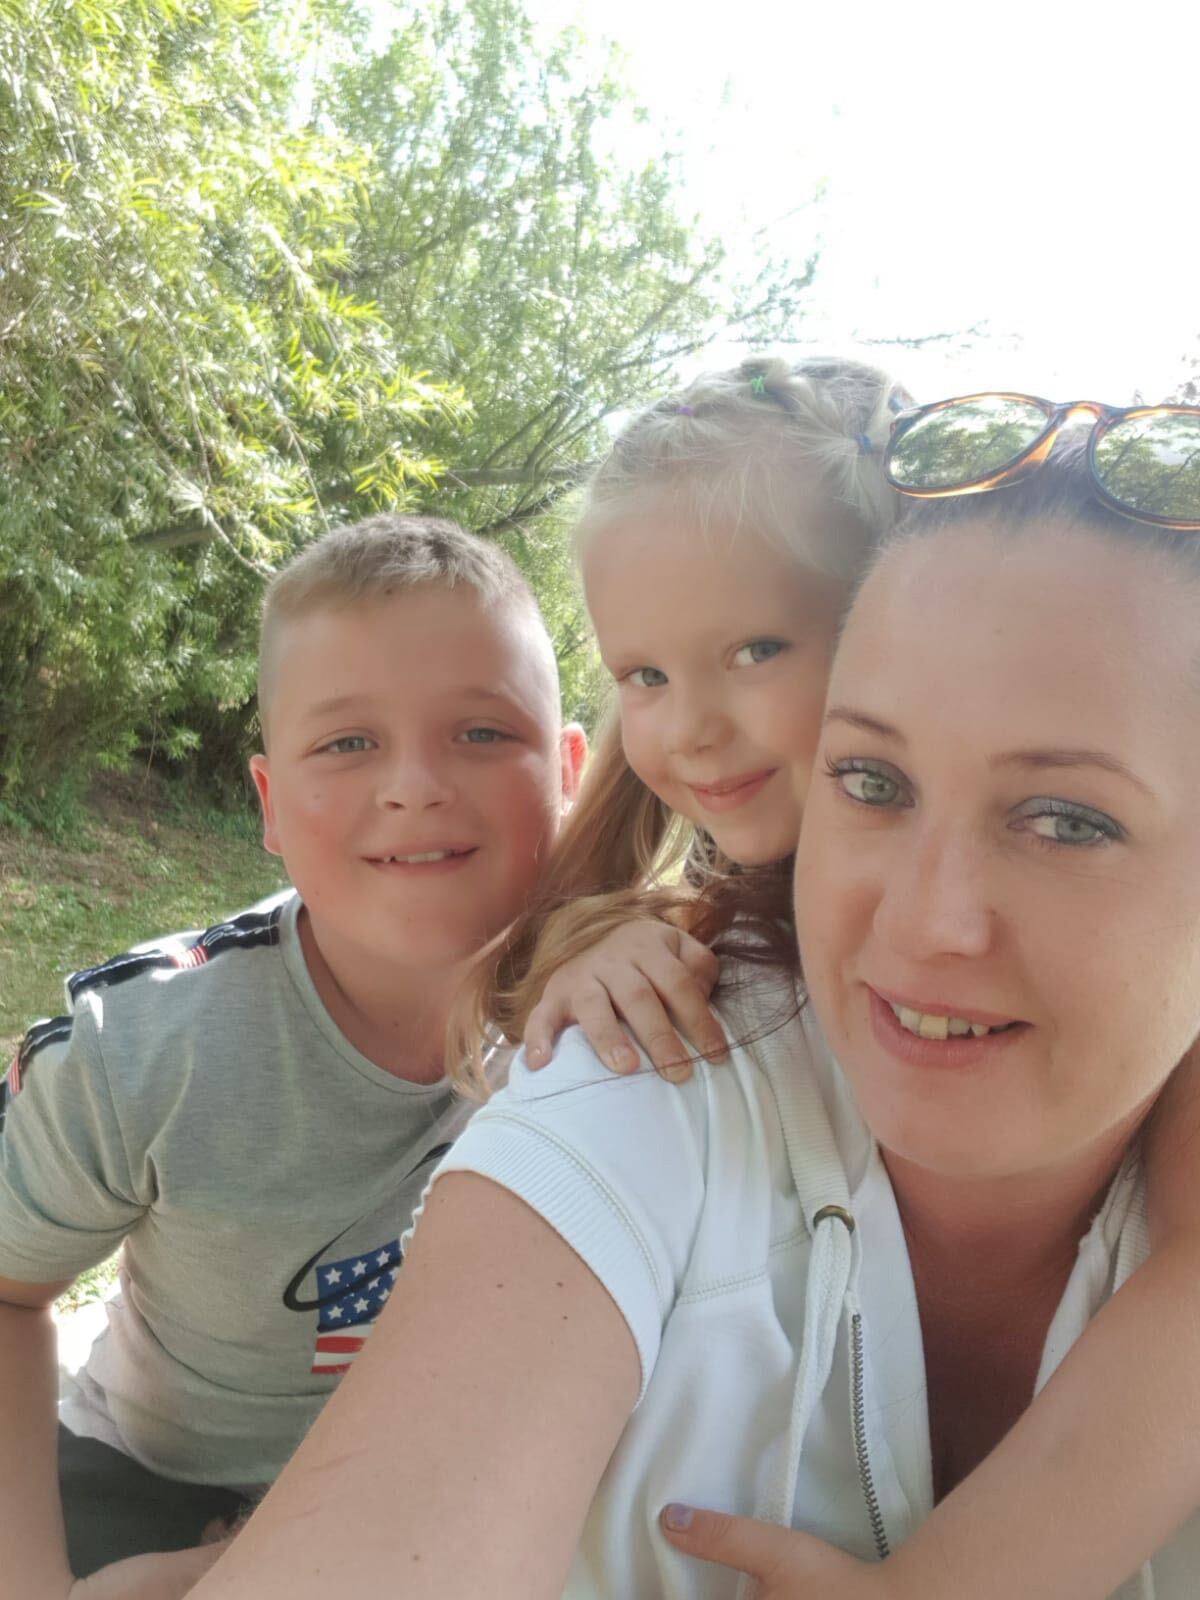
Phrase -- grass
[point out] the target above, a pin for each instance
(142, 862)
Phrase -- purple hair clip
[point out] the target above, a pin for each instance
(684, 411)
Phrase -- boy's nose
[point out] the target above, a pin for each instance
(415, 783)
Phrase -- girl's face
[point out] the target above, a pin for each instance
(1004, 835)
(720, 648)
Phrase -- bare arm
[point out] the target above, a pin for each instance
(31, 1526)
(461, 1453)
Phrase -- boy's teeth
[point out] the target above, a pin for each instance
(926, 1026)
(428, 855)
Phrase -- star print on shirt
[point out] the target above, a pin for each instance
(345, 1320)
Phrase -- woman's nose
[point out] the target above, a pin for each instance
(935, 900)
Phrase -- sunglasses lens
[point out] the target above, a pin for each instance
(964, 442)
(1151, 464)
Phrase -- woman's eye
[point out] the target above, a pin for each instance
(1060, 822)
(485, 736)
(646, 678)
(757, 651)
(869, 785)
(352, 744)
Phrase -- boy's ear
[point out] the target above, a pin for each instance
(572, 750)
(261, 773)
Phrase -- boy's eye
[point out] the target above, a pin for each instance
(870, 783)
(758, 651)
(1063, 822)
(351, 744)
(484, 736)
(646, 678)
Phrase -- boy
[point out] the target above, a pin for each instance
(255, 1111)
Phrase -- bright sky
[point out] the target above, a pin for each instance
(1028, 168)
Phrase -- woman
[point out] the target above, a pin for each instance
(997, 887)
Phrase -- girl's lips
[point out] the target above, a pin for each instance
(952, 1053)
(731, 793)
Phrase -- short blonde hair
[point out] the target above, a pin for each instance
(745, 448)
(369, 560)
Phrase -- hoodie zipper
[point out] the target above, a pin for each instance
(859, 1410)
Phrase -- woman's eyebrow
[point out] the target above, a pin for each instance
(860, 719)
(1042, 759)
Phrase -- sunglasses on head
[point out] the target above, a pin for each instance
(1144, 460)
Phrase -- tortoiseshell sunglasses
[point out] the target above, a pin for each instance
(1144, 460)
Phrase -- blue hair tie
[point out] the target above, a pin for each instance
(864, 444)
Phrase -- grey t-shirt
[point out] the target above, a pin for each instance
(201, 1105)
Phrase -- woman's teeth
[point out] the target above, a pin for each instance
(927, 1026)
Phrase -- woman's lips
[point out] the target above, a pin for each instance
(731, 793)
(954, 1052)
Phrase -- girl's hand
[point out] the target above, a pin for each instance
(166, 1576)
(787, 1564)
(652, 977)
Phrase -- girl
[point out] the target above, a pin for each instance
(632, 1315)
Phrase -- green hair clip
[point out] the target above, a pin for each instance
(758, 384)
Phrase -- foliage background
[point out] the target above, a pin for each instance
(260, 273)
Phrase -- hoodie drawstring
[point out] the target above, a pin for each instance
(816, 1170)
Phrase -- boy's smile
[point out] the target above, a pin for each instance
(415, 777)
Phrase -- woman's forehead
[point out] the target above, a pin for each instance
(1057, 621)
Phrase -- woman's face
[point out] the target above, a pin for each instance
(720, 646)
(1003, 833)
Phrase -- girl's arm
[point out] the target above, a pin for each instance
(460, 1454)
(1097, 1474)
(646, 978)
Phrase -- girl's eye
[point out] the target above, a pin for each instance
(646, 678)
(1060, 822)
(869, 783)
(757, 651)
(352, 744)
(485, 736)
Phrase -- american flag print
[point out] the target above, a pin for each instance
(352, 1292)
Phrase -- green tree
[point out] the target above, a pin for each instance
(257, 276)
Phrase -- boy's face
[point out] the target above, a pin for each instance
(417, 771)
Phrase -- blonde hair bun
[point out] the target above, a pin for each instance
(743, 448)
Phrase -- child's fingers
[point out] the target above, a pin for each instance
(545, 1022)
(704, 966)
(684, 993)
(788, 1565)
(591, 1006)
(635, 999)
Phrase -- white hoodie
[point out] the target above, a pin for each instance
(782, 1366)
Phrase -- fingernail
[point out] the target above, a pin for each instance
(677, 1071)
(677, 1517)
(536, 1055)
(622, 1059)
(716, 1050)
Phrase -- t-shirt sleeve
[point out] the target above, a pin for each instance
(614, 1164)
(67, 1194)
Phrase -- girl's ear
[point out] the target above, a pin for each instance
(572, 749)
